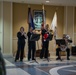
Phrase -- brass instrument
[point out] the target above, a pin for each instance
(67, 41)
(63, 47)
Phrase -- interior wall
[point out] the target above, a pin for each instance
(75, 22)
(75, 27)
(7, 30)
(20, 12)
(69, 22)
(1, 25)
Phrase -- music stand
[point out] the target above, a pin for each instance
(70, 41)
(50, 36)
(60, 42)
(35, 37)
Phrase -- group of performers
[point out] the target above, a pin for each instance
(32, 44)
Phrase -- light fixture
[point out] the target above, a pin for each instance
(47, 1)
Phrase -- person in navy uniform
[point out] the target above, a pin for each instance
(45, 42)
(63, 48)
(21, 35)
(31, 45)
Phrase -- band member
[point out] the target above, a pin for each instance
(63, 48)
(31, 45)
(21, 44)
(45, 43)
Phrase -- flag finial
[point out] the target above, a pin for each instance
(28, 6)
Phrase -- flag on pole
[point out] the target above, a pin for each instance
(30, 19)
(54, 25)
(44, 21)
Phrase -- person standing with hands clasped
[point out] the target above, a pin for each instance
(21, 35)
(31, 45)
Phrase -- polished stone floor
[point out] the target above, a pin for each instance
(41, 67)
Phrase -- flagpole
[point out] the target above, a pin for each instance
(43, 6)
(28, 17)
(43, 10)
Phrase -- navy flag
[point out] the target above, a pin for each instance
(30, 19)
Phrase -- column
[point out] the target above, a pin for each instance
(69, 21)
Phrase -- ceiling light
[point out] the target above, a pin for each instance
(47, 1)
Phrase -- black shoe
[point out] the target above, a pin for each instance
(21, 60)
(41, 57)
(33, 59)
(68, 59)
(58, 58)
(28, 59)
(16, 60)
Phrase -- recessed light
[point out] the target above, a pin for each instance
(47, 1)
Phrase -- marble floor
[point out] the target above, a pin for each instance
(41, 67)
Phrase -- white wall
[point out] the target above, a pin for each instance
(0, 24)
(7, 27)
(69, 21)
(1, 27)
